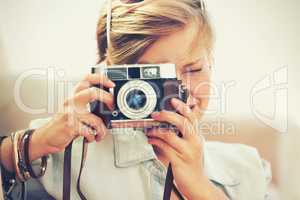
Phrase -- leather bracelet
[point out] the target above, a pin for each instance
(43, 167)
(22, 164)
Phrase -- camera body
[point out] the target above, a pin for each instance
(140, 90)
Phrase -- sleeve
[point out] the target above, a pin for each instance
(1, 182)
(264, 169)
(1, 188)
(267, 175)
(240, 170)
(267, 171)
(7, 179)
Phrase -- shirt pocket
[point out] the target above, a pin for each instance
(229, 187)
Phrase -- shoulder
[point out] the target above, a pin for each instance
(234, 154)
(240, 168)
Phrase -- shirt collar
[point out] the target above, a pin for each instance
(131, 148)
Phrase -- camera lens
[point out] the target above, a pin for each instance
(136, 99)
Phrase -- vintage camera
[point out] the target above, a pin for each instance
(140, 90)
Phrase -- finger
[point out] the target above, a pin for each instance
(194, 115)
(181, 107)
(170, 153)
(182, 123)
(82, 98)
(87, 132)
(96, 123)
(198, 112)
(82, 85)
(169, 137)
(94, 79)
(99, 78)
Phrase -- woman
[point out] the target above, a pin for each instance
(133, 165)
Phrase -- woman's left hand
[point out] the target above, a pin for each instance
(185, 153)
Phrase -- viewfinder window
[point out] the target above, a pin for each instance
(134, 72)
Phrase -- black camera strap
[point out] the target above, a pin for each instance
(67, 172)
(169, 183)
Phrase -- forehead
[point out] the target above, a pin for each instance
(184, 45)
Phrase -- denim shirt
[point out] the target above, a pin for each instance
(124, 166)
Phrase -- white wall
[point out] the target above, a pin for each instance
(50, 33)
(254, 39)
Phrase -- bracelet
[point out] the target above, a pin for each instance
(15, 138)
(43, 167)
(22, 164)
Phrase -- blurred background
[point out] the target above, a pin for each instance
(47, 46)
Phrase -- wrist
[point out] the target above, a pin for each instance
(37, 146)
(203, 190)
(7, 155)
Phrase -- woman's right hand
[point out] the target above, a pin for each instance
(74, 119)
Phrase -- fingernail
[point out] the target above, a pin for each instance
(148, 133)
(155, 114)
(97, 137)
(112, 84)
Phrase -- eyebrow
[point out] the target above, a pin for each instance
(165, 61)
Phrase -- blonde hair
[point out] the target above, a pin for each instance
(134, 31)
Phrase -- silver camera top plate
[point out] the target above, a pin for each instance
(147, 71)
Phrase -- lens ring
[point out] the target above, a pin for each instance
(150, 104)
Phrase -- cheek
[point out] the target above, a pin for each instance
(200, 90)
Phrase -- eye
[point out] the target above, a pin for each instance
(193, 71)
